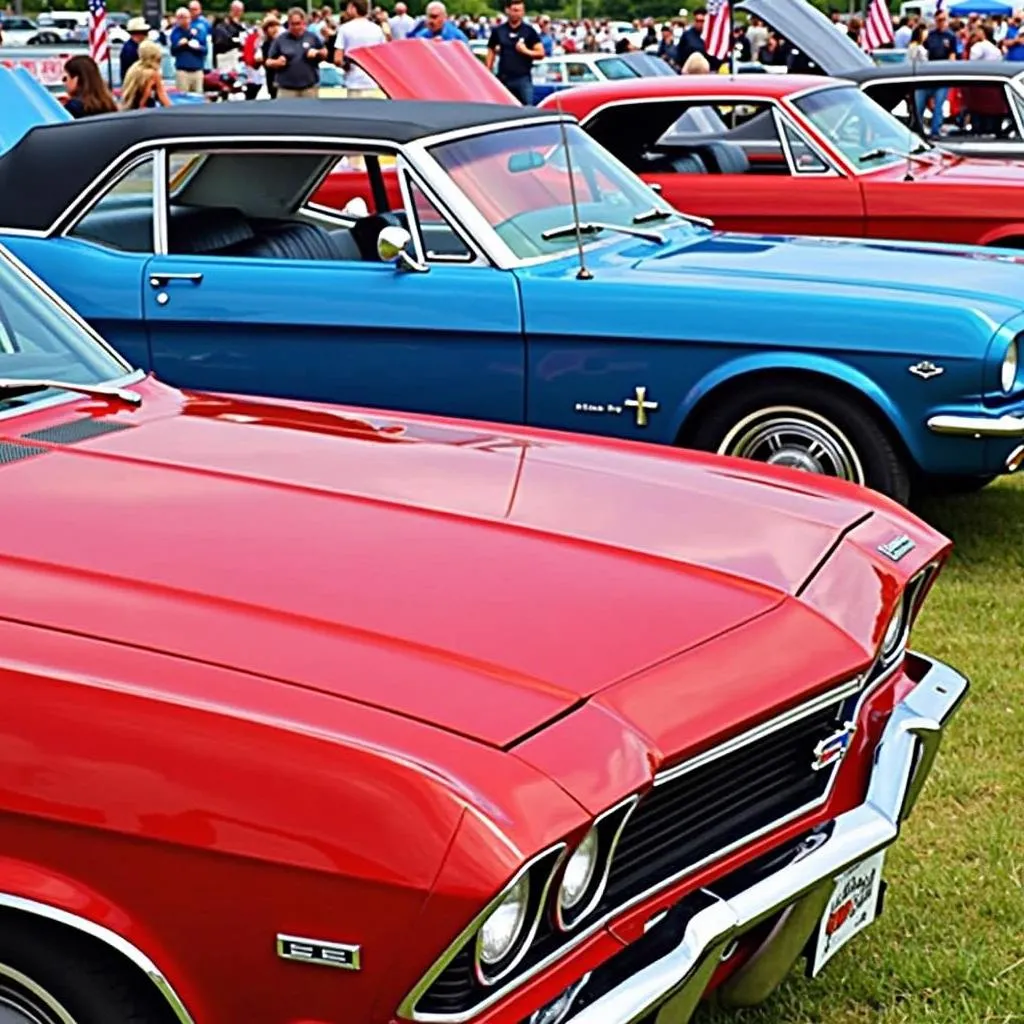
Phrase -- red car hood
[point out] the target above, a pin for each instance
(479, 580)
(960, 170)
(420, 69)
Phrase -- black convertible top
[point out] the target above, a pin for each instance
(938, 69)
(53, 164)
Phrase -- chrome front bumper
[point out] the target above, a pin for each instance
(977, 426)
(672, 986)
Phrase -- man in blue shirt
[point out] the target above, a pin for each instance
(546, 39)
(195, 8)
(188, 48)
(1013, 44)
(939, 44)
(437, 26)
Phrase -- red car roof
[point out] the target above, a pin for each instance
(582, 100)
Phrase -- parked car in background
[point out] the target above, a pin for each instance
(553, 74)
(798, 154)
(393, 213)
(358, 684)
(983, 110)
(19, 31)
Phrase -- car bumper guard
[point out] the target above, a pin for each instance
(977, 426)
(668, 990)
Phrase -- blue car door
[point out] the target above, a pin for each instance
(97, 265)
(304, 308)
(446, 341)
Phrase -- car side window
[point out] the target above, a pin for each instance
(277, 204)
(577, 71)
(122, 218)
(805, 159)
(441, 242)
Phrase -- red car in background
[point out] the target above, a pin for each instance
(794, 154)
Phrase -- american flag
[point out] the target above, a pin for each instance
(99, 42)
(717, 33)
(878, 30)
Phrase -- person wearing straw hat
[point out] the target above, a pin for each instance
(138, 32)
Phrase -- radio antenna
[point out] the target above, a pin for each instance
(583, 274)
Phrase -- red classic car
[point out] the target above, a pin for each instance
(315, 715)
(794, 154)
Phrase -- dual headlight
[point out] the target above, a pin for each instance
(501, 932)
(565, 887)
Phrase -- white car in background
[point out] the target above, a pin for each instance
(18, 31)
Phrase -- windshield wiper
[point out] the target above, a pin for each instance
(14, 387)
(656, 213)
(592, 227)
(875, 154)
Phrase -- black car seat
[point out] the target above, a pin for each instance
(194, 230)
(725, 157)
(689, 163)
(297, 240)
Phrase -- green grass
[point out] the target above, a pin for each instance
(949, 948)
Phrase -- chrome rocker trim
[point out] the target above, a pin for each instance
(977, 426)
(903, 760)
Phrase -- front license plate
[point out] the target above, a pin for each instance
(851, 908)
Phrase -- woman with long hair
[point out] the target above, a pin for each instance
(87, 92)
(143, 86)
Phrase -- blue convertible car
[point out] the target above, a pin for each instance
(495, 262)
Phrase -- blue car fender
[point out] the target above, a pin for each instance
(805, 362)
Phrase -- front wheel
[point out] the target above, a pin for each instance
(44, 981)
(807, 428)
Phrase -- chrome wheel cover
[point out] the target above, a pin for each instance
(797, 438)
(23, 1001)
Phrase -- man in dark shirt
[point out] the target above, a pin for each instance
(295, 56)
(516, 45)
(138, 32)
(939, 44)
(692, 40)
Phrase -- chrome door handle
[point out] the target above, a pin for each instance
(159, 280)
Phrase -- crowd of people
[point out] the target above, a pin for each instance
(282, 54)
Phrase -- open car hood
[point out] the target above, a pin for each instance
(419, 69)
(810, 32)
(24, 104)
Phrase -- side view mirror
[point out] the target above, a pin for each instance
(654, 187)
(393, 247)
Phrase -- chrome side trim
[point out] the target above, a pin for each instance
(161, 230)
(120, 945)
(977, 426)
(896, 779)
(841, 692)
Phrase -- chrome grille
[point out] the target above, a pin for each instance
(694, 814)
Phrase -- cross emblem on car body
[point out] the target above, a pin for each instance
(641, 405)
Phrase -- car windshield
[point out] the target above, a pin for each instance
(517, 178)
(38, 340)
(857, 126)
